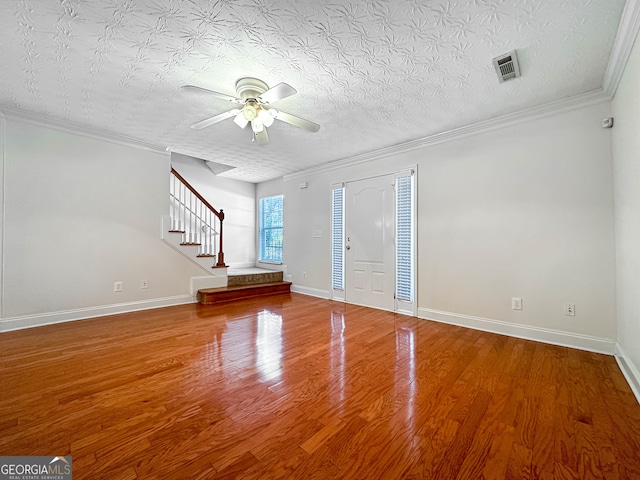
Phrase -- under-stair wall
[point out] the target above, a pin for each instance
(211, 277)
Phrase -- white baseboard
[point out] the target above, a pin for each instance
(313, 292)
(554, 337)
(629, 370)
(30, 321)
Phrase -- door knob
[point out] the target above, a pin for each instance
(348, 247)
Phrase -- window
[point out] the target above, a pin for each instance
(337, 238)
(270, 217)
(404, 238)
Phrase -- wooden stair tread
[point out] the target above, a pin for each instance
(208, 296)
(242, 287)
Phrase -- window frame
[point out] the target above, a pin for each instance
(263, 257)
(406, 304)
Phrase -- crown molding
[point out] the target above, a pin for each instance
(78, 129)
(625, 39)
(575, 102)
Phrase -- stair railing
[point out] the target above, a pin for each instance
(195, 218)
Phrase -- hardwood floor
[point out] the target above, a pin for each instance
(297, 387)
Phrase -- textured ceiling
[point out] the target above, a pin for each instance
(372, 73)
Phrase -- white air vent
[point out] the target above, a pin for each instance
(507, 66)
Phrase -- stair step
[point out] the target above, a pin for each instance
(209, 296)
(189, 244)
(253, 277)
(205, 255)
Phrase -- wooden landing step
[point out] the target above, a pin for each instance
(209, 296)
(252, 276)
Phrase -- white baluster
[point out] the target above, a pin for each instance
(172, 199)
(183, 218)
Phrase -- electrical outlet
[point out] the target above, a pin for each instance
(304, 274)
(144, 284)
(570, 309)
(117, 286)
(516, 303)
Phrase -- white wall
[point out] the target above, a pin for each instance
(236, 198)
(626, 156)
(3, 124)
(80, 214)
(523, 211)
(305, 210)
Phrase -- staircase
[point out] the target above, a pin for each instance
(245, 283)
(192, 228)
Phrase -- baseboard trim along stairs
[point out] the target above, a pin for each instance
(245, 283)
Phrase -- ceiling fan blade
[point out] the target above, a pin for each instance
(215, 119)
(223, 96)
(240, 120)
(262, 138)
(296, 121)
(277, 92)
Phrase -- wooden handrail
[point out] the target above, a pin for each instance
(219, 214)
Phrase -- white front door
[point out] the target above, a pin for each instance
(369, 242)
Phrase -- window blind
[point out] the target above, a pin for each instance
(271, 228)
(404, 239)
(337, 238)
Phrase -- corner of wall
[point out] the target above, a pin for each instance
(2, 193)
(626, 110)
(629, 370)
(624, 42)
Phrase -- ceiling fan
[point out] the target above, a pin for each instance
(256, 98)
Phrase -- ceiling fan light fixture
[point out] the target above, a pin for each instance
(265, 117)
(250, 111)
(240, 120)
(255, 97)
(257, 126)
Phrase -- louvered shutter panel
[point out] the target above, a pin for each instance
(337, 238)
(404, 227)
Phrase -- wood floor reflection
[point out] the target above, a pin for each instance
(298, 387)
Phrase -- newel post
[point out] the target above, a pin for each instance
(220, 252)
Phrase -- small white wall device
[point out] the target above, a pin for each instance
(607, 122)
